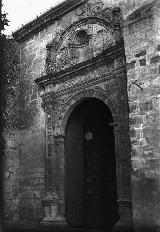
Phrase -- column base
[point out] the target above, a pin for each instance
(57, 221)
(125, 223)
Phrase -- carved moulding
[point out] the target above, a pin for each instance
(113, 60)
(104, 86)
(62, 106)
(90, 8)
(49, 145)
(99, 77)
(64, 110)
(74, 100)
(98, 8)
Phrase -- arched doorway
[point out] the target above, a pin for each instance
(90, 167)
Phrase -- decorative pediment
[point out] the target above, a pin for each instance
(86, 42)
(82, 41)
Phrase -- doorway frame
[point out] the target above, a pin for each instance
(122, 153)
(110, 123)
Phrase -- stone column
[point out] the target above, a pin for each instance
(59, 172)
(124, 201)
(50, 198)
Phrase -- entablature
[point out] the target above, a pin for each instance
(111, 57)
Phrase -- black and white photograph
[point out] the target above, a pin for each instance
(80, 116)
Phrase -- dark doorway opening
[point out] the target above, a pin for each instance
(90, 167)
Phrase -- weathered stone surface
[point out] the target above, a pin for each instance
(142, 62)
(145, 150)
(141, 53)
(131, 65)
(26, 150)
(155, 59)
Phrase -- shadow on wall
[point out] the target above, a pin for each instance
(146, 198)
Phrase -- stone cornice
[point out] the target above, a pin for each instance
(106, 56)
(46, 19)
(140, 13)
(111, 77)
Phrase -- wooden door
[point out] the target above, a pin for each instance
(90, 168)
(74, 171)
(95, 173)
(99, 168)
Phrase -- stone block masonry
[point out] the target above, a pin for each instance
(143, 92)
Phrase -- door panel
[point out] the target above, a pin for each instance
(74, 172)
(100, 178)
(93, 150)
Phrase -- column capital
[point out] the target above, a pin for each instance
(115, 126)
(124, 202)
(59, 138)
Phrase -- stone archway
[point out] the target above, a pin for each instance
(122, 153)
(74, 100)
(90, 167)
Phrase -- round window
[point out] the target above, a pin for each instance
(81, 38)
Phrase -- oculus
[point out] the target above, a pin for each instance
(81, 38)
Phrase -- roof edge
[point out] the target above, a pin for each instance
(135, 14)
(47, 18)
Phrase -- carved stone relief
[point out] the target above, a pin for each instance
(64, 98)
(87, 41)
(84, 39)
(99, 74)
(65, 104)
(49, 148)
(91, 8)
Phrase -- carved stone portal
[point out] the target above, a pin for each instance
(102, 76)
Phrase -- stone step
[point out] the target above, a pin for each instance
(22, 227)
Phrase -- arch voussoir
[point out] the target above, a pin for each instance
(77, 98)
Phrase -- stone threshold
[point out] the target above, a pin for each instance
(33, 227)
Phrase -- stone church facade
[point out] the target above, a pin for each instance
(88, 144)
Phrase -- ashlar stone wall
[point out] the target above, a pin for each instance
(142, 53)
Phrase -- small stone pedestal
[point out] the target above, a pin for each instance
(50, 210)
(50, 205)
(125, 223)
